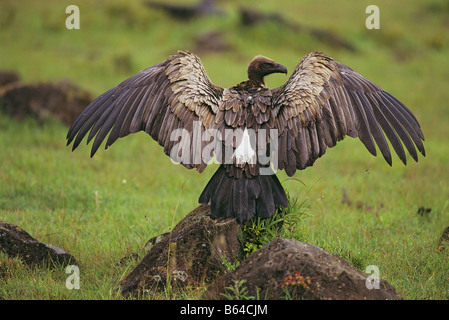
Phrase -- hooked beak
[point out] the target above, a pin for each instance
(281, 69)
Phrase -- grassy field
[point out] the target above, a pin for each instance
(102, 209)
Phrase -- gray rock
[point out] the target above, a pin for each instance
(16, 242)
(61, 100)
(7, 77)
(325, 276)
(191, 254)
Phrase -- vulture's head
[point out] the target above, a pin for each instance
(261, 66)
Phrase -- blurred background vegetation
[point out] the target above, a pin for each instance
(102, 209)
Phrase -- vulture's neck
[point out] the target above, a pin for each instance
(250, 85)
(256, 78)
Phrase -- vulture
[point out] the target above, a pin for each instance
(249, 129)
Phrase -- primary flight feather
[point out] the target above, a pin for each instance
(250, 129)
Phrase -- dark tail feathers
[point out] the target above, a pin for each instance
(243, 198)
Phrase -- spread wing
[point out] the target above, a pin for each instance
(324, 101)
(174, 94)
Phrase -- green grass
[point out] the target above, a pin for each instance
(102, 209)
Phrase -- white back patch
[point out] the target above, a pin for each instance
(244, 152)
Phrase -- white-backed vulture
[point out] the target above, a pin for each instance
(322, 102)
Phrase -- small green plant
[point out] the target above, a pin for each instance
(285, 222)
(237, 291)
(230, 267)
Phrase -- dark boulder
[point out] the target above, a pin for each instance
(296, 270)
(186, 12)
(62, 100)
(8, 77)
(191, 254)
(16, 242)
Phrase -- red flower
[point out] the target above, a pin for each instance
(297, 279)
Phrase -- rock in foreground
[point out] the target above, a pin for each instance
(277, 270)
(16, 242)
(192, 254)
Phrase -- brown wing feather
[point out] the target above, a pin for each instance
(167, 96)
(324, 101)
